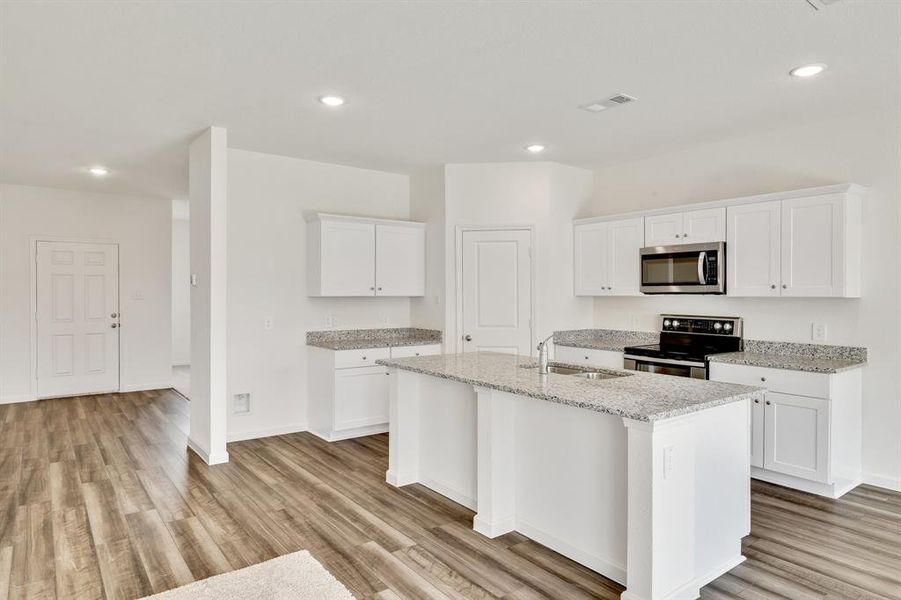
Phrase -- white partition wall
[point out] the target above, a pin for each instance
(208, 182)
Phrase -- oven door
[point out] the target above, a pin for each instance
(684, 269)
(665, 366)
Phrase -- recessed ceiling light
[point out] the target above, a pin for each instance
(807, 70)
(535, 148)
(331, 100)
(98, 171)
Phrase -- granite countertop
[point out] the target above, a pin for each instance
(629, 394)
(604, 339)
(358, 339)
(813, 358)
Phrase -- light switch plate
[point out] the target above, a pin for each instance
(268, 323)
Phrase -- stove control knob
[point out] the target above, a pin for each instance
(717, 326)
(675, 323)
(727, 327)
(667, 323)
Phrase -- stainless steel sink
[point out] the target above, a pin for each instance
(563, 370)
(587, 373)
(596, 375)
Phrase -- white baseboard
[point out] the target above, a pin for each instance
(596, 563)
(346, 434)
(449, 492)
(830, 490)
(210, 459)
(16, 398)
(143, 387)
(177, 363)
(240, 436)
(889, 483)
(493, 530)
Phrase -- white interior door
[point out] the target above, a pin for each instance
(77, 318)
(497, 291)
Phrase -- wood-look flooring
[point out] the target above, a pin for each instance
(99, 498)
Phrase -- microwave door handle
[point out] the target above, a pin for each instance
(702, 268)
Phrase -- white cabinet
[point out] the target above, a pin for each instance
(606, 259)
(806, 432)
(610, 359)
(353, 256)
(348, 392)
(753, 259)
(801, 247)
(686, 227)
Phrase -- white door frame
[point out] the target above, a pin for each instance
(458, 278)
(33, 286)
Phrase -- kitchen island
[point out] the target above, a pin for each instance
(643, 478)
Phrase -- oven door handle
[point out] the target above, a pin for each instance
(664, 361)
(702, 268)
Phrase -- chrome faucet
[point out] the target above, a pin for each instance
(542, 355)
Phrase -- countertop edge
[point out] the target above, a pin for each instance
(652, 418)
(773, 363)
(368, 344)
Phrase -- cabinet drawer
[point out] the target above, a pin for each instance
(814, 385)
(610, 359)
(424, 350)
(345, 359)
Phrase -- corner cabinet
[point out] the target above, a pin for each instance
(806, 431)
(606, 257)
(806, 246)
(357, 256)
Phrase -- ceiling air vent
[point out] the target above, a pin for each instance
(600, 105)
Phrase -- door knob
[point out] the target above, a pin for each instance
(114, 325)
(467, 338)
(114, 315)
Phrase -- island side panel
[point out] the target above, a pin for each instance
(496, 463)
(403, 427)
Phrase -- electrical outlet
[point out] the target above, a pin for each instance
(667, 461)
(241, 404)
(818, 332)
(331, 321)
(268, 323)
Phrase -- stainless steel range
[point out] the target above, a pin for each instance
(685, 343)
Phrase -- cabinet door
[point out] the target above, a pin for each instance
(624, 241)
(757, 431)
(662, 230)
(796, 436)
(347, 259)
(753, 249)
(361, 397)
(399, 260)
(812, 246)
(707, 225)
(590, 260)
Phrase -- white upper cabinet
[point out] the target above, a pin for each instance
(686, 227)
(705, 225)
(399, 259)
(753, 261)
(590, 245)
(353, 256)
(607, 257)
(663, 230)
(802, 247)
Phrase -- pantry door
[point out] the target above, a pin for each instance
(496, 281)
(77, 318)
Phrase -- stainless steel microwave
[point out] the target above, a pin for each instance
(684, 269)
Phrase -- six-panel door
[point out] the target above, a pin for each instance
(77, 318)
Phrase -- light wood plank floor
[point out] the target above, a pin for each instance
(99, 498)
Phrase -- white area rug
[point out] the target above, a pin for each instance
(296, 576)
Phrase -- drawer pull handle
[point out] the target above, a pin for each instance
(768, 403)
(756, 401)
(763, 379)
(586, 358)
(417, 354)
(364, 358)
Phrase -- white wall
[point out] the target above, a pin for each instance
(864, 149)
(141, 225)
(181, 287)
(427, 204)
(544, 194)
(266, 277)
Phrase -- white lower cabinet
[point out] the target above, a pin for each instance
(348, 392)
(610, 359)
(805, 433)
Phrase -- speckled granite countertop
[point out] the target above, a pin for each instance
(630, 394)
(814, 358)
(604, 339)
(357, 339)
